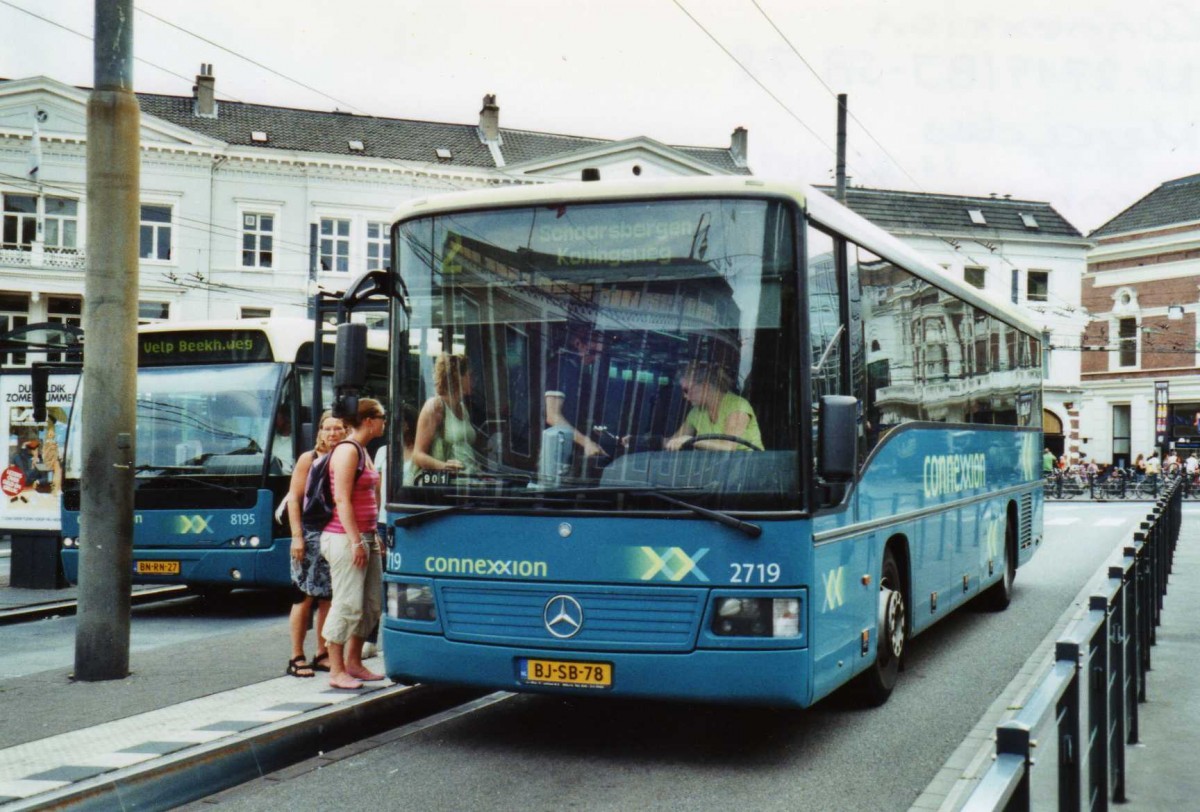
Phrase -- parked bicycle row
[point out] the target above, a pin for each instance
(1116, 484)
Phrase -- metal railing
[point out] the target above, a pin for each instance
(1067, 487)
(1088, 703)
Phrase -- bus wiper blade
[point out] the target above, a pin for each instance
(751, 530)
(177, 472)
(413, 519)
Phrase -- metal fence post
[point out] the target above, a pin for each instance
(1070, 738)
(1012, 738)
(1097, 781)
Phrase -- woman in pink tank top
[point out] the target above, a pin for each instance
(353, 550)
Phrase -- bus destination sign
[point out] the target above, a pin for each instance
(202, 347)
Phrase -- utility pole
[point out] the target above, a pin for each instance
(110, 365)
(841, 149)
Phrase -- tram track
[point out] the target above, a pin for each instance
(65, 608)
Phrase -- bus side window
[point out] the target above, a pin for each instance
(283, 441)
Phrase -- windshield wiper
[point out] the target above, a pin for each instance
(181, 472)
(751, 530)
(413, 519)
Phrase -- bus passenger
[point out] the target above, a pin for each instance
(351, 546)
(715, 410)
(577, 379)
(310, 572)
(445, 437)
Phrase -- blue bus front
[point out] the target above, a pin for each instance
(608, 491)
(214, 454)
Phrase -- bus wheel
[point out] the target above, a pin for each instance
(999, 595)
(876, 683)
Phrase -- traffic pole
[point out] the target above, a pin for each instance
(110, 364)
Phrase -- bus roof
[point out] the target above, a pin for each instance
(820, 207)
(285, 335)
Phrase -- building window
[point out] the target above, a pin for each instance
(155, 233)
(14, 313)
(377, 247)
(63, 310)
(1121, 433)
(20, 221)
(976, 276)
(335, 244)
(255, 313)
(62, 224)
(150, 312)
(1037, 286)
(258, 240)
(1127, 342)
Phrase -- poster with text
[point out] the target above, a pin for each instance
(31, 477)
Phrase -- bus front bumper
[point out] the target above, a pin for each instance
(262, 567)
(775, 677)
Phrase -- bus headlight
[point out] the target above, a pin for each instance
(255, 541)
(68, 541)
(411, 601)
(756, 617)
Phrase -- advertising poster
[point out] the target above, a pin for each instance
(31, 479)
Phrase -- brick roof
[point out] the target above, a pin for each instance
(387, 138)
(1176, 201)
(941, 214)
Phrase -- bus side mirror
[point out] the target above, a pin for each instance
(349, 367)
(39, 380)
(837, 438)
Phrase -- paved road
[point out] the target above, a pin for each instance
(535, 752)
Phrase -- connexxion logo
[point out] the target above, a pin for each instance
(185, 525)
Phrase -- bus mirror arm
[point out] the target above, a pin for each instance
(837, 438)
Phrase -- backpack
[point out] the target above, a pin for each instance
(317, 509)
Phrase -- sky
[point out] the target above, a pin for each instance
(1086, 104)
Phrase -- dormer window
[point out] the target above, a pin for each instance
(1029, 220)
(444, 154)
(976, 216)
(356, 146)
(258, 136)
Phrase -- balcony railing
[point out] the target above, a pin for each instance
(39, 256)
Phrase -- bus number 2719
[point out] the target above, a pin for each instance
(754, 573)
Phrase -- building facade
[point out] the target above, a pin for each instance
(1141, 365)
(1020, 251)
(247, 209)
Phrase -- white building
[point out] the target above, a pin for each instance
(248, 209)
(1019, 251)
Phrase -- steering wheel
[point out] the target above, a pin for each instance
(690, 443)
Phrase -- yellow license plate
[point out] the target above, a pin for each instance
(156, 568)
(561, 672)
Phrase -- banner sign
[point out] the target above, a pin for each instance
(32, 469)
(1162, 400)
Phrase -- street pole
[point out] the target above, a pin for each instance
(840, 193)
(110, 364)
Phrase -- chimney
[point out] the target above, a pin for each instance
(489, 120)
(739, 146)
(204, 92)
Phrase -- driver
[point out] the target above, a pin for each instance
(715, 411)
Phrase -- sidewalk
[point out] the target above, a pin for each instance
(189, 721)
(1161, 768)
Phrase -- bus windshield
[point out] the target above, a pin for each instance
(603, 355)
(203, 420)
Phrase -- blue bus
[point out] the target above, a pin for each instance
(224, 408)
(732, 443)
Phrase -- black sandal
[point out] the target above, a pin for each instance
(298, 665)
(318, 663)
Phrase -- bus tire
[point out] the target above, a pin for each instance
(875, 684)
(999, 595)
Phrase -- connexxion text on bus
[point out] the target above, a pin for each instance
(884, 469)
(220, 408)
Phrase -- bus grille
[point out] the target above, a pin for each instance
(1025, 521)
(636, 618)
